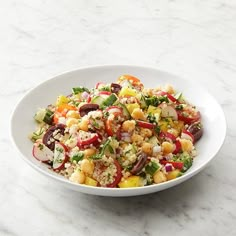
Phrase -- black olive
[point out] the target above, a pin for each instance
(86, 108)
(196, 130)
(48, 138)
(115, 88)
(142, 158)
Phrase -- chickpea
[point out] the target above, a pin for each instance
(89, 152)
(71, 121)
(128, 125)
(167, 147)
(83, 125)
(138, 114)
(147, 148)
(159, 177)
(186, 145)
(146, 133)
(78, 177)
(73, 114)
(136, 138)
(87, 166)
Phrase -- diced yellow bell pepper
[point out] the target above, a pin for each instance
(131, 182)
(165, 124)
(173, 174)
(91, 182)
(132, 106)
(156, 111)
(126, 91)
(62, 100)
(178, 125)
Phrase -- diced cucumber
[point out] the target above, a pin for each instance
(80, 90)
(48, 117)
(40, 114)
(125, 111)
(151, 168)
(44, 115)
(109, 101)
(98, 100)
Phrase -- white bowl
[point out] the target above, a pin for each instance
(213, 119)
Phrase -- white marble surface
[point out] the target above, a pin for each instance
(190, 38)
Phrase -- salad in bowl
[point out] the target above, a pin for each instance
(118, 135)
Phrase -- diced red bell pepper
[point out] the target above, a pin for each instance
(176, 164)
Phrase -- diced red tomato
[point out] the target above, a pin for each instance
(118, 176)
(176, 164)
(188, 118)
(91, 138)
(168, 136)
(104, 93)
(145, 124)
(112, 128)
(177, 147)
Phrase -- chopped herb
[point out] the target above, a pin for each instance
(77, 157)
(152, 118)
(179, 107)
(157, 129)
(41, 146)
(59, 149)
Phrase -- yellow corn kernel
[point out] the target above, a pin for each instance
(78, 177)
(128, 125)
(89, 152)
(83, 124)
(73, 114)
(187, 145)
(147, 148)
(159, 177)
(71, 121)
(138, 114)
(167, 147)
(91, 182)
(87, 166)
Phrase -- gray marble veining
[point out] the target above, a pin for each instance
(193, 39)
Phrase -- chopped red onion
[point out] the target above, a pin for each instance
(84, 95)
(168, 167)
(125, 137)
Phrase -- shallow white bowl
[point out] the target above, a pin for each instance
(213, 119)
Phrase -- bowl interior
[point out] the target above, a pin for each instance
(213, 119)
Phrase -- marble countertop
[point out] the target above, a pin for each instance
(193, 39)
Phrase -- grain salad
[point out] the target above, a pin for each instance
(118, 135)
